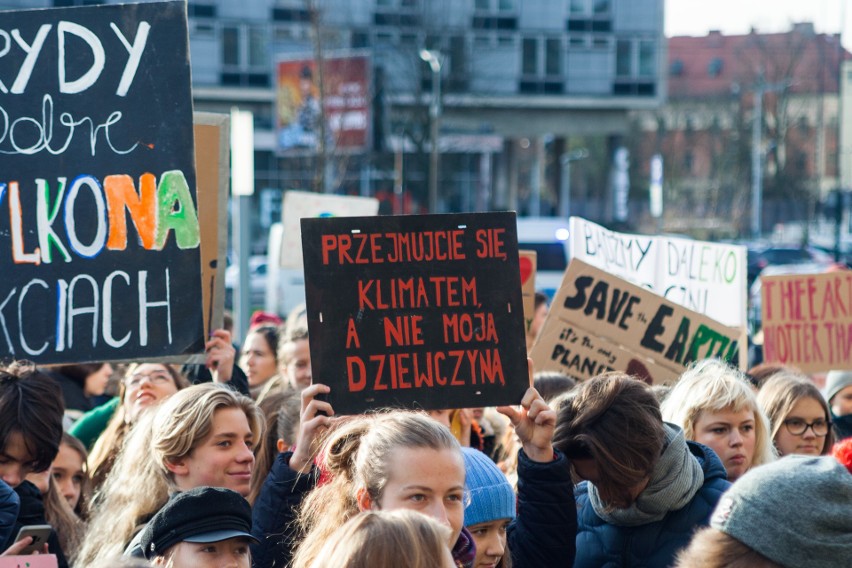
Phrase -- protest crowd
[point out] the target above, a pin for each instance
(421, 409)
(248, 465)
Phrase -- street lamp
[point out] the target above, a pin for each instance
(565, 187)
(433, 58)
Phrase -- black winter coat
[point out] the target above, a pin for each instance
(545, 529)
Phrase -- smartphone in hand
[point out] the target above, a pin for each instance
(40, 534)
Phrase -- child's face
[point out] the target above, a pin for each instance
(16, 461)
(230, 553)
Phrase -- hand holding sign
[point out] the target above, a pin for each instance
(315, 418)
(220, 355)
(534, 423)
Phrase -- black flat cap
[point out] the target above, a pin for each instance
(202, 514)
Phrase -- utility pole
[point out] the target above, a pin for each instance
(433, 58)
(565, 187)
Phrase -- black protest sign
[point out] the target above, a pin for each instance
(420, 311)
(100, 246)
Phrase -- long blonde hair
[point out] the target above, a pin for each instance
(714, 386)
(356, 457)
(379, 539)
(140, 482)
(58, 514)
(108, 445)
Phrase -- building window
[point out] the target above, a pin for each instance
(529, 56)
(714, 68)
(578, 7)
(676, 68)
(623, 57)
(647, 58)
(495, 6)
(553, 57)
(258, 47)
(602, 7)
(230, 45)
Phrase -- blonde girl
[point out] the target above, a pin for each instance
(202, 435)
(380, 539)
(715, 406)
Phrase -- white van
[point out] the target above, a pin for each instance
(548, 237)
(285, 287)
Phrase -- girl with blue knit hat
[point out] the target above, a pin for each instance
(543, 533)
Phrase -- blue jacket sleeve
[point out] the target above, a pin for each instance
(274, 513)
(545, 530)
(10, 504)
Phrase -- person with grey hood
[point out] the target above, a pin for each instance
(838, 393)
(793, 513)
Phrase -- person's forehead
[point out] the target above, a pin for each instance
(16, 448)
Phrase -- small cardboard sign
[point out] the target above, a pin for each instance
(528, 262)
(807, 320)
(420, 311)
(598, 322)
(213, 173)
(304, 205)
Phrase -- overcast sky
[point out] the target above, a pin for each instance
(696, 17)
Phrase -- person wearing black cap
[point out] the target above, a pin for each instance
(204, 527)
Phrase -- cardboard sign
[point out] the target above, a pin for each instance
(99, 184)
(528, 265)
(708, 278)
(305, 205)
(214, 174)
(807, 320)
(598, 322)
(29, 561)
(420, 311)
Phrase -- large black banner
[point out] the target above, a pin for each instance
(99, 234)
(420, 311)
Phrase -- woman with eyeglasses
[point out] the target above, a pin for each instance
(798, 415)
(144, 385)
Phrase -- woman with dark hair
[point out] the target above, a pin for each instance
(259, 358)
(646, 488)
(81, 384)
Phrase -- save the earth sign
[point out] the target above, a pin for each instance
(99, 233)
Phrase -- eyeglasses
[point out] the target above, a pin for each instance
(135, 380)
(797, 426)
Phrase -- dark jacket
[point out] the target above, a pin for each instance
(842, 426)
(32, 513)
(544, 531)
(274, 513)
(10, 504)
(603, 545)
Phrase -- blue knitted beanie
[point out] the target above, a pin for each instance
(491, 496)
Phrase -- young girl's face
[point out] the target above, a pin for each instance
(149, 384)
(68, 474)
(233, 553)
(429, 481)
(258, 359)
(809, 415)
(490, 539)
(223, 459)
